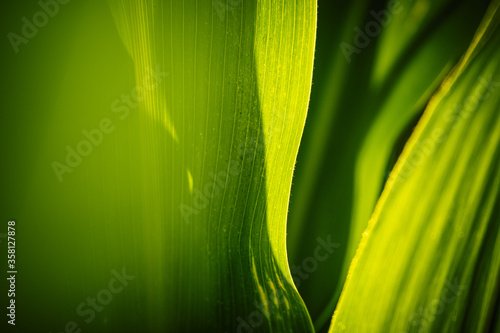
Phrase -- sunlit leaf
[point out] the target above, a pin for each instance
(359, 109)
(429, 259)
(221, 140)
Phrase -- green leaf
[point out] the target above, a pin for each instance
(429, 259)
(359, 110)
(220, 139)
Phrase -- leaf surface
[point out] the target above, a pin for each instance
(220, 142)
(431, 248)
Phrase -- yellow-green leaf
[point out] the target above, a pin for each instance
(429, 259)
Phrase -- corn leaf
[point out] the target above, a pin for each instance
(220, 142)
(429, 259)
(359, 109)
